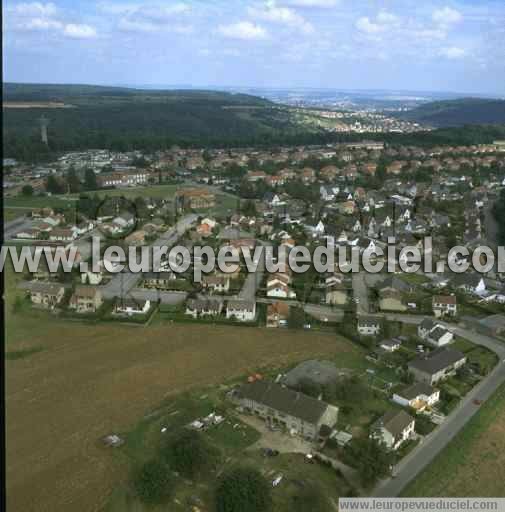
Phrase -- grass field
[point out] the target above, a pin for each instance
(474, 462)
(68, 384)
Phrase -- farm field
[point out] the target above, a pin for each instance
(474, 462)
(69, 383)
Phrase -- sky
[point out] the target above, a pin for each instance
(428, 45)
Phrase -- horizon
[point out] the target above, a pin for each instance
(274, 44)
(228, 87)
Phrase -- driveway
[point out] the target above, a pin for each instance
(276, 440)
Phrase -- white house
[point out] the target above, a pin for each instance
(445, 305)
(393, 429)
(131, 307)
(368, 326)
(439, 336)
(241, 310)
(418, 396)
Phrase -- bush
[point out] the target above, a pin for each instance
(154, 482)
(243, 490)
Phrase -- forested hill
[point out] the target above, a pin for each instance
(85, 94)
(83, 116)
(459, 112)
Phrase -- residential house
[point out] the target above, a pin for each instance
(158, 280)
(299, 414)
(369, 326)
(436, 365)
(277, 314)
(86, 299)
(278, 286)
(62, 235)
(203, 307)
(241, 310)
(336, 294)
(418, 396)
(390, 345)
(47, 295)
(439, 336)
(130, 307)
(215, 283)
(393, 429)
(445, 305)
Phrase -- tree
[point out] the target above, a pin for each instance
(154, 482)
(243, 490)
(27, 190)
(296, 319)
(73, 182)
(53, 185)
(372, 459)
(90, 182)
(189, 454)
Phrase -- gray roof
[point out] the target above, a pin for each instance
(437, 360)
(320, 372)
(284, 400)
(438, 333)
(241, 305)
(413, 391)
(394, 422)
(40, 287)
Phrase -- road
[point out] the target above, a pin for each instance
(254, 279)
(360, 292)
(431, 445)
(323, 313)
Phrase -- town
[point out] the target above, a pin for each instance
(428, 345)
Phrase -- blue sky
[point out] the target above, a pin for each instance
(432, 45)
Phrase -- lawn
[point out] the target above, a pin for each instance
(39, 202)
(474, 462)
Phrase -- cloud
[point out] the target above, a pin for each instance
(283, 15)
(77, 31)
(446, 16)
(243, 30)
(453, 52)
(40, 24)
(383, 21)
(365, 25)
(150, 18)
(36, 9)
(321, 4)
(387, 18)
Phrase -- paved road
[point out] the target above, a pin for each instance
(425, 452)
(360, 292)
(254, 279)
(323, 313)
